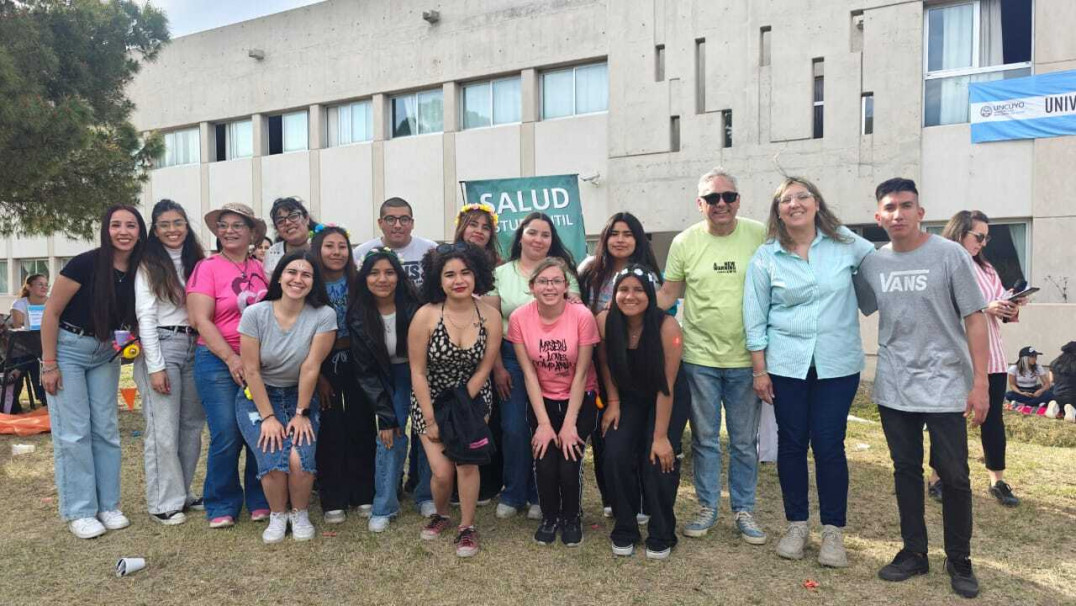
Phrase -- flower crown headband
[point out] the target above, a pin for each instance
(482, 206)
(321, 227)
(380, 250)
(641, 273)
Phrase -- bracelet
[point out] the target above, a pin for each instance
(760, 373)
(272, 414)
(47, 369)
(44, 361)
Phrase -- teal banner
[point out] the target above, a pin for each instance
(514, 199)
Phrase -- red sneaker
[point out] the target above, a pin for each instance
(259, 515)
(434, 527)
(467, 542)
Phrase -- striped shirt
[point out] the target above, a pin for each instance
(990, 286)
(803, 313)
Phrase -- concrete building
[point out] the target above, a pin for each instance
(346, 103)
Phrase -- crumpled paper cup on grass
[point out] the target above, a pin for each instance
(128, 566)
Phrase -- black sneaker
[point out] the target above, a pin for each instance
(906, 565)
(962, 578)
(571, 532)
(1003, 493)
(546, 533)
(935, 491)
(195, 505)
(171, 518)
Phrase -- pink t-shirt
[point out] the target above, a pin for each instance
(234, 287)
(554, 348)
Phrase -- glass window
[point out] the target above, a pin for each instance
(351, 123)
(29, 267)
(578, 90)
(4, 286)
(180, 147)
(418, 113)
(491, 103)
(558, 93)
(477, 105)
(295, 131)
(507, 101)
(240, 139)
(974, 41)
(867, 122)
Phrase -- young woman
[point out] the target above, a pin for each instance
(346, 442)
(164, 372)
(283, 341)
(294, 227)
(971, 229)
(35, 291)
(643, 421)
(454, 340)
(1029, 383)
(803, 333)
(554, 341)
(218, 291)
(92, 298)
(260, 248)
(379, 318)
(1063, 369)
(534, 241)
(477, 224)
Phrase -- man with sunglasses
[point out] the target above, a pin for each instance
(707, 265)
(396, 221)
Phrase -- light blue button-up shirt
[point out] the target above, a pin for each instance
(803, 312)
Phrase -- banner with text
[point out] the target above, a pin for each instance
(1023, 108)
(514, 199)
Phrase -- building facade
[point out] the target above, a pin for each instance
(347, 103)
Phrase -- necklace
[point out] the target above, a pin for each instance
(242, 270)
(634, 336)
(120, 275)
(463, 326)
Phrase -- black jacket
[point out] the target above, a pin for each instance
(374, 375)
(464, 434)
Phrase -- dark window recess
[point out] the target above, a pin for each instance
(674, 134)
(659, 63)
(1016, 31)
(1001, 252)
(700, 75)
(868, 113)
(726, 126)
(276, 134)
(764, 46)
(819, 103)
(221, 140)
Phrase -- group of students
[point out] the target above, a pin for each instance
(320, 361)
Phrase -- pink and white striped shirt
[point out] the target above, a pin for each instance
(990, 286)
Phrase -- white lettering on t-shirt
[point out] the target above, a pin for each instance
(914, 280)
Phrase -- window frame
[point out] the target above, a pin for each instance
(168, 155)
(5, 278)
(574, 69)
(418, 123)
(36, 268)
(491, 83)
(350, 105)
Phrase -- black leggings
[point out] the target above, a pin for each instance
(559, 479)
(347, 441)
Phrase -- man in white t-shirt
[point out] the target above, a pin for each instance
(397, 220)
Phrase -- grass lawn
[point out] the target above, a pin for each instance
(1022, 556)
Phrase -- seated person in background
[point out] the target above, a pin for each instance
(1029, 383)
(1063, 373)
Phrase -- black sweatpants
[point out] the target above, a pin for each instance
(949, 456)
(560, 480)
(347, 440)
(628, 468)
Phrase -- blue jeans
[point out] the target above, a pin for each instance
(710, 388)
(284, 401)
(519, 486)
(389, 464)
(85, 432)
(813, 412)
(223, 494)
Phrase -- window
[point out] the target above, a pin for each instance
(819, 98)
(764, 46)
(674, 133)
(418, 113)
(574, 91)
(351, 123)
(28, 267)
(855, 42)
(235, 140)
(1007, 250)
(972, 41)
(491, 103)
(867, 114)
(180, 147)
(726, 128)
(288, 132)
(700, 75)
(61, 262)
(659, 63)
(4, 286)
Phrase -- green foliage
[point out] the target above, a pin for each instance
(67, 148)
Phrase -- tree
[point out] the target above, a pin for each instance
(67, 148)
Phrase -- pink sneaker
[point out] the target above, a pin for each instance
(1041, 411)
(259, 515)
(437, 524)
(1025, 410)
(222, 522)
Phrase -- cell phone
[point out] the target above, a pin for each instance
(1023, 293)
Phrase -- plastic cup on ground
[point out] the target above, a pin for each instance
(127, 566)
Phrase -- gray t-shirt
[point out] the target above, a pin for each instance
(410, 255)
(922, 297)
(283, 352)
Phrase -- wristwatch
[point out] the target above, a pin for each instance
(302, 412)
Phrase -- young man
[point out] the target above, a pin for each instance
(707, 266)
(931, 370)
(397, 220)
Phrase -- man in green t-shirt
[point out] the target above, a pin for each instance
(706, 266)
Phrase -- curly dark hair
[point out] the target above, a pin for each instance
(433, 263)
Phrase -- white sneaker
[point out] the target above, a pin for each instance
(607, 512)
(503, 511)
(535, 512)
(301, 528)
(427, 509)
(642, 519)
(277, 528)
(86, 528)
(1052, 409)
(366, 510)
(1070, 413)
(791, 545)
(623, 551)
(113, 520)
(658, 555)
(378, 523)
(335, 516)
(832, 552)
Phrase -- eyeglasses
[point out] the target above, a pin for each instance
(730, 197)
(980, 238)
(801, 197)
(404, 220)
(543, 282)
(447, 247)
(292, 217)
(177, 224)
(235, 226)
(379, 250)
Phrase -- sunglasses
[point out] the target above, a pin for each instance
(730, 197)
(980, 238)
(446, 248)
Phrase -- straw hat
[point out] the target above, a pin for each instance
(243, 210)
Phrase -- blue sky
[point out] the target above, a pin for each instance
(190, 16)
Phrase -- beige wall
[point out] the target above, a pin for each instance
(347, 189)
